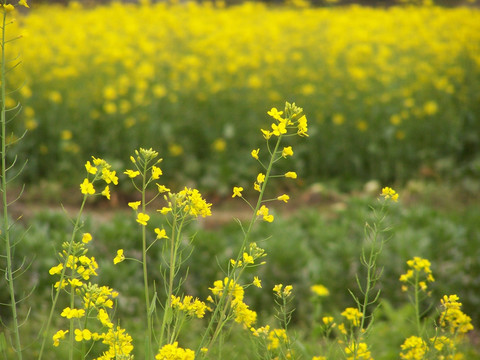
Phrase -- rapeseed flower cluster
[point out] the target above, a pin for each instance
(289, 121)
(173, 352)
(190, 306)
(452, 319)
(358, 351)
(419, 273)
(100, 170)
(80, 267)
(241, 311)
(353, 315)
(96, 301)
(389, 193)
(414, 348)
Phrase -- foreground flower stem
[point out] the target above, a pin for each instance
(148, 338)
(177, 226)
(221, 308)
(6, 226)
(76, 227)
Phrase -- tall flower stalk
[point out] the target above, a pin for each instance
(100, 170)
(7, 8)
(358, 319)
(280, 128)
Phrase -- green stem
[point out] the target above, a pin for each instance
(223, 304)
(167, 310)
(72, 325)
(148, 339)
(62, 277)
(6, 225)
(417, 305)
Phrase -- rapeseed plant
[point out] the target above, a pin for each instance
(449, 328)
(75, 268)
(5, 229)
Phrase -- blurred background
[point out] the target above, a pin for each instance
(391, 91)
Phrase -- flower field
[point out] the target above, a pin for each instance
(148, 120)
(392, 93)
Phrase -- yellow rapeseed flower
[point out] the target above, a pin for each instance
(142, 219)
(237, 191)
(161, 233)
(119, 258)
(287, 151)
(87, 187)
(86, 238)
(59, 335)
(389, 193)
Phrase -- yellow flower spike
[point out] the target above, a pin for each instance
(237, 191)
(87, 187)
(119, 258)
(256, 187)
(291, 175)
(142, 219)
(389, 193)
(257, 282)
(287, 151)
(23, 3)
(161, 233)
(255, 154)
(284, 198)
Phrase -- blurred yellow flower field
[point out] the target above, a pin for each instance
(389, 90)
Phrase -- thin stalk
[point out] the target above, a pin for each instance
(72, 327)
(148, 350)
(6, 226)
(222, 304)
(417, 305)
(62, 276)
(166, 311)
